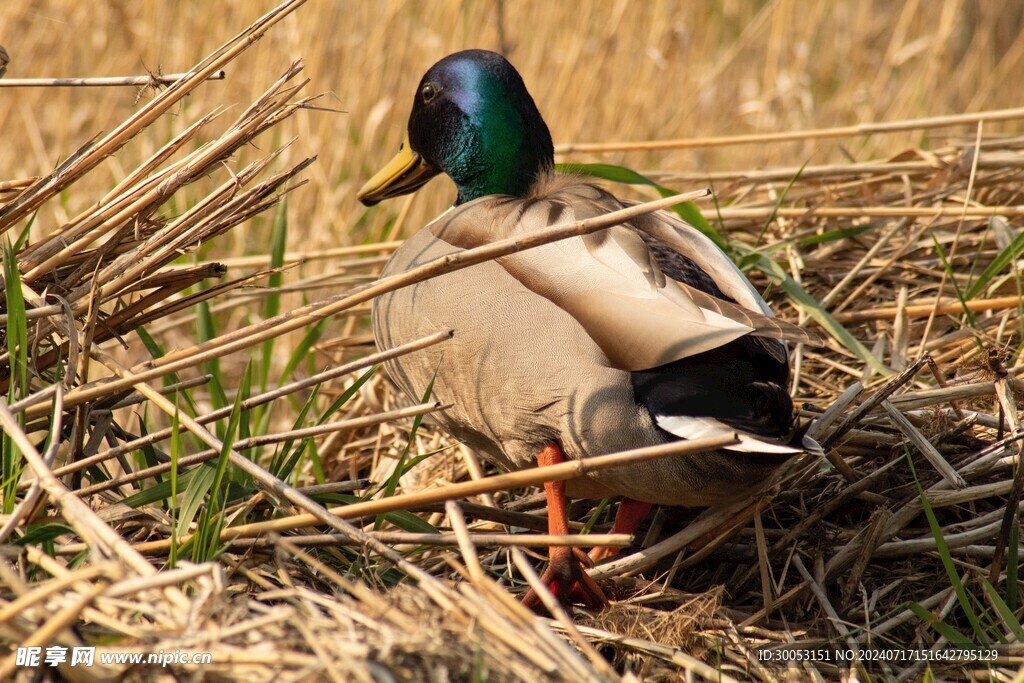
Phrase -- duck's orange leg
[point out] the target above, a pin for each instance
(627, 520)
(564, 577)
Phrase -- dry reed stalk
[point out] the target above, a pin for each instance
(262, 399)
(531, 477)
(925, 447)
(16, 185)
(789, 136)
(252, 442)
(306, 256)
(480, 540)
(149, 80)
(87, 159)
(755, 213)
(42, 592)
(710, 521)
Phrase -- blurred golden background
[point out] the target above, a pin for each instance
(600, 71)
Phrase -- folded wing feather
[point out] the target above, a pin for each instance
(611, 285)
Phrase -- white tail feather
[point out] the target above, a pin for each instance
(686, 427)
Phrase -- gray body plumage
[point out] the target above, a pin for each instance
(545, 339)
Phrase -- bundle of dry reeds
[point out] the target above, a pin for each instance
(259, 493)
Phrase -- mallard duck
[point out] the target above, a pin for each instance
(633, 336)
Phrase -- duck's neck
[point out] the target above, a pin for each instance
(514, 179)
(504, 157)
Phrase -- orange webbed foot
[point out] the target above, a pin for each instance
(567, 580)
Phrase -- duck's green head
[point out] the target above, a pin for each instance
(473, 120)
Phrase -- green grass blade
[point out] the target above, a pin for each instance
(152, 347)
(44, 533)
(303, 348)
(942, 628)
(13, 466)
(319, 475)
(588, 526)
(688, 211)
(23, 235)
(778, 204)
(17, 324)
(147, 453)
(344, 397)
(1013, 565)
(172, 503)
(272, 302)
(206, 330)
(156, 351)
(833, 235)
(163, 490)
(947, 560)
(1003, 259)
(952, 279)
(285, 461)
(400, 467)
(403, 519)
(777, 274)
(245, 418)
(281, 464)
(17, 349)
(1005, 613)
(208, 527)
(407, 521)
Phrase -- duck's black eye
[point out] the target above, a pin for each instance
(429, 91)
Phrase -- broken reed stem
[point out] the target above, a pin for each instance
(796, 135)
(303, 317)
(763, 212)
(63, 619)
(16, 185)
(924, 447)
(306, 256)
(1008, 405)
(885, 391)
(262, 440)
(261, 399)
(35, 491)
(446, 539)
(878, 169)
(151, 80)
(531, 477)
(398, 538)
(94, 531)
(715, 521)
(277, 488)
(558, 611)
(924, 310)
(98, 150)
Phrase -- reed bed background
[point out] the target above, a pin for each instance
(198, 454)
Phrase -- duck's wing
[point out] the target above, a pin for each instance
(684, 250)
(609, 281)
(678, 236)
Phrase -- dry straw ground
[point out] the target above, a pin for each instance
(183, 445)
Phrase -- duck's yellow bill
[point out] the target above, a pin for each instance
(406, 173)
